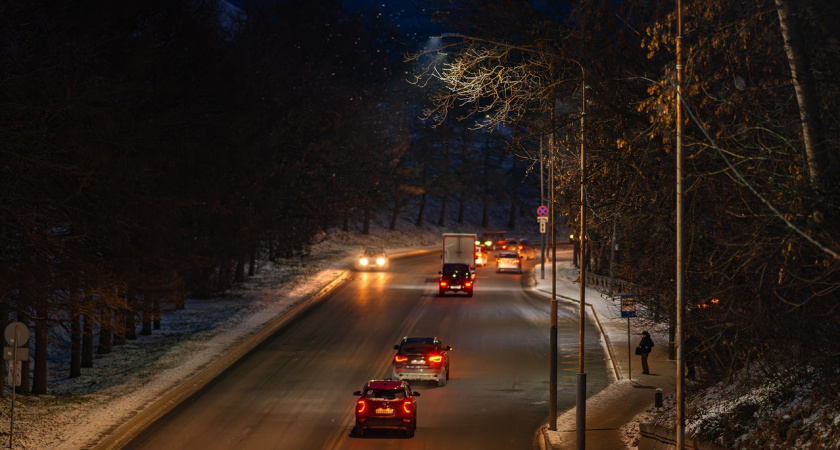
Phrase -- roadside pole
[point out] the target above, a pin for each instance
(628, 310)
(17, 335)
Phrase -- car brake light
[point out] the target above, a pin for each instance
(400, 359)
(468, 283)
(442, 283)
(516, 261)
(407, 406)
(436, 359)
(360, 406)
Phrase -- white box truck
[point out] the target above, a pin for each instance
(459, 248)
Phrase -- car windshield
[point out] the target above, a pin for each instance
(454, 271)
(385, 394)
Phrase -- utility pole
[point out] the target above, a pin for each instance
(680, 300)
(580, 400)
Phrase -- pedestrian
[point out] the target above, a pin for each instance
(644, 349)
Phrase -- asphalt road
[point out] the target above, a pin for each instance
(295, 390)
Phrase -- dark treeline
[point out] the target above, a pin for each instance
(153, 150)
(762, 168)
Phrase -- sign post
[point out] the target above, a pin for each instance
(628, 310)
(17, 335)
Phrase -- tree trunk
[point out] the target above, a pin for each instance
(816, 151)
(39, 378)
(239, 273)
(366, 224)
(130, 311)
(513, 197)
(105, 333)
(75, 344)
(87, 342)
(146, 315)
(252, 262)
(422, 211)
(156, 312)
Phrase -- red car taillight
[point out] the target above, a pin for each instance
(360, 406)
(407, 406)
(468, 283)
(437, 359)
(516, 261)
(400, 359)
(442, 283)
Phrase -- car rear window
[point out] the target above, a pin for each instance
(416, 349)
(385, 394)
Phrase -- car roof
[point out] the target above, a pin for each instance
(384, 384)
(419, 340)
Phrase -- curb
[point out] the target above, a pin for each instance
(123, 434)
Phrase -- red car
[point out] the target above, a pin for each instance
(386, 404)
(421, 358)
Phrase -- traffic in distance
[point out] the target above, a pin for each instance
(391, 404)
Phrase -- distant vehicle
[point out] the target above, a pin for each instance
(456, 277)
(421, 358)
(373, 259)
(510, 245)
(386, 404)
(481, 257)
(527, 250)
(509, 261)
(493, 239)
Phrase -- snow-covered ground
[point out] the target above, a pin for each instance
(78, 412)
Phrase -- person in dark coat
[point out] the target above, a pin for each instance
(645, 346)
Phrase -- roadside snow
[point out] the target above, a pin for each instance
(78, 412)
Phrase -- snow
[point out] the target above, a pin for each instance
(79, 412)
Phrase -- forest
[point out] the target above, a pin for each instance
(598, 81)
(153, 150)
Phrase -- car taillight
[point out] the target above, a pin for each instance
(400, 359)
(468, 283)
(360, 406)
(437, 359)
(407, 406)
(442, 283)
(516, 261)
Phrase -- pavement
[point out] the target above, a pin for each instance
(630, 393)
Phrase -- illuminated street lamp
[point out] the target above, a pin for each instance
(580, 398)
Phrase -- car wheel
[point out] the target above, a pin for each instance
(469, 293)
(441, 293)
(359, 431)
(409, 432)
(447, 373)
(442, 378)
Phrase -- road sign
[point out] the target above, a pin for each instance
(542, 210)
(628, 306)
(542, 228)
(542, 219)
(16, 334)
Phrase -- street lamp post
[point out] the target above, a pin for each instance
(580, 398)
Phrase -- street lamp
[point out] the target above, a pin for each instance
(580, 397)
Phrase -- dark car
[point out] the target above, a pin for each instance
(387, 405)
(421, 358)
(456, 277)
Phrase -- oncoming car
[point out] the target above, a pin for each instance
(421, 358)
(388, 405)
(509, 261)
(373, 259)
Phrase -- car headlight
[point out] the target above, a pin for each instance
(380, 261)
(363, 261)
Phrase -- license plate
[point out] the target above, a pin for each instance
(457, 286)
(384, 411)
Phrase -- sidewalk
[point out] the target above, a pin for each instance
(628, 396)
